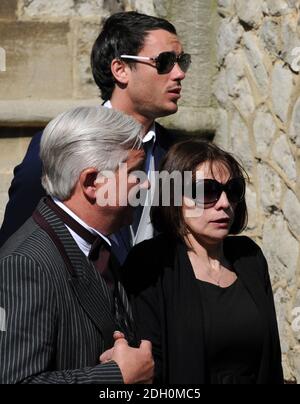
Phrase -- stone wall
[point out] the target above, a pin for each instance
(258, 92)
(48, 45)
(256, 57)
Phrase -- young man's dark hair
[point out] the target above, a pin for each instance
(122, 33)
(146, 89)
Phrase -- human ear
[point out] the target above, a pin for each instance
(120, 71)
(87, 181)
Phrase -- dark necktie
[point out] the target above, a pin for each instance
(100, 255)
(100, 251)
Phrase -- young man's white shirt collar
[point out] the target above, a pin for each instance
(149, 135)
(82, 244)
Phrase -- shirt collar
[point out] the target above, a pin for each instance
(82, 244)
(107, 104)
(149, 135)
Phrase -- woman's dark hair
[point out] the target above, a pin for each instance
(187, 156)
(122, 33)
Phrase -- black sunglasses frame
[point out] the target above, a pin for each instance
(219, 189)
(183, 60)
(165, 66)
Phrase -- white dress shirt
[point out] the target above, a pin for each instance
(82, 244)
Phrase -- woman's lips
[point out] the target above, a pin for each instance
(224, 222)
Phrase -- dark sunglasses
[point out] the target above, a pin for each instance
(165, 61)
(207, 192)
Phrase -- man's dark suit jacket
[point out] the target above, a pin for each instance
(58, 321)
(162, 285)
(26, 190)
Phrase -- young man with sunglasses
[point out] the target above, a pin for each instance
(138, 64)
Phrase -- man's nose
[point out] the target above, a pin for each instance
(177, 73)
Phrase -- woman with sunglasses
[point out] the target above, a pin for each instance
(201, 295)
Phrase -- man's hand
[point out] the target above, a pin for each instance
(136, 364)
(106, 356)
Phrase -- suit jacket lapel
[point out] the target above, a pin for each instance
(121, 243)
(142, 224)
(88, 287)
(246, 268)
(159, 152)
(96, 305)
(161, 146)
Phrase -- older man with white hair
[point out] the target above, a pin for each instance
(59, 284)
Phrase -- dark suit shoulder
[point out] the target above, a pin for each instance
(25, 191)
(31, 163)
(20, 237)
(152, 248)
(241, 246)
(146, 261)
(244, 250)
(167, 137)
(162, 130)
(32, 243)
(28, 256)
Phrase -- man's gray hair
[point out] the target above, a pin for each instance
(82, 138)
